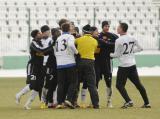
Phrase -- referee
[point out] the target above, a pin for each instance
(87, 46)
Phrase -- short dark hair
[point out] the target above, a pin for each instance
(105, 23)
(55, 31)
(34, 33)
(62, 21)
(45, 28)
(65, 27)
(77, 29)
(93, 28)
(124, 26)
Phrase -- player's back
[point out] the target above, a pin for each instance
(63, 52)
(86, 46)
(127, 44)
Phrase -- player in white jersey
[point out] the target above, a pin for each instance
(66, 67)
(125, 47)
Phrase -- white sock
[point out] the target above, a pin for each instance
(50, 104)
(44, 95)
(83, 95)
(31, 98)
(55, 97)
(109, 93)
(24, 91)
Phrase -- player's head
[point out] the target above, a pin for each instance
(77, 30)
(62, 21)
(45, 31)
(122, 28)
(105, 26)
(36, 34)
(72, 28)
(66, 27)
(86, 29)
(55, 32)
(94, 31)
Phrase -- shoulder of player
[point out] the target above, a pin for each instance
(49, 39)
(77, 39)
(120, 39)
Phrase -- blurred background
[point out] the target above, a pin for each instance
(19, 17)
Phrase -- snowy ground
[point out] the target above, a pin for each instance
(145, 71)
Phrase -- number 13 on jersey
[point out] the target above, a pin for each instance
(61, 45)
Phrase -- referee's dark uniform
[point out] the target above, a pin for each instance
(87, 46)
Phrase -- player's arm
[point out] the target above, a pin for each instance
(118, 50)
(137, 48)
(97, 48)
(71, 44)
(34, 46)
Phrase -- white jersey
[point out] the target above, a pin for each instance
(45, 43)
(65, 50)
(125, 47)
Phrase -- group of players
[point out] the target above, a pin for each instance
(61, 59)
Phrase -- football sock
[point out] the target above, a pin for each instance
(31, 98)
(83, 95)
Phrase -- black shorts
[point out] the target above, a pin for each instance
(35, 76)
(50, 81)
(103, 68)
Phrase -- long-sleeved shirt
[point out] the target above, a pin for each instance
(44, 51)
(65, 50)
(125, 47)
(106, 43)
(36, 57)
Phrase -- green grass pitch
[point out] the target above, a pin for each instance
(9, 110)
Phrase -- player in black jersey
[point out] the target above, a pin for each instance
(34, 71)
(51, 73)
(103, 59)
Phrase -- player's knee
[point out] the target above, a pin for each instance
(118, 86)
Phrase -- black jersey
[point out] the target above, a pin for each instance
(36, 58)
(51, 62)
(106, 44)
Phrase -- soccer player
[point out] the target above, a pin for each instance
(66, 67)
(51, 74)
(106, 42)
(62, 21)
(87, 46)
(50, 82)
(125, 47)
(34, 71)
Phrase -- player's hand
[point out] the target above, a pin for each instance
(111, 54)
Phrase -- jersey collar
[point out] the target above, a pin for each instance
(65, 33)
(87, 35)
